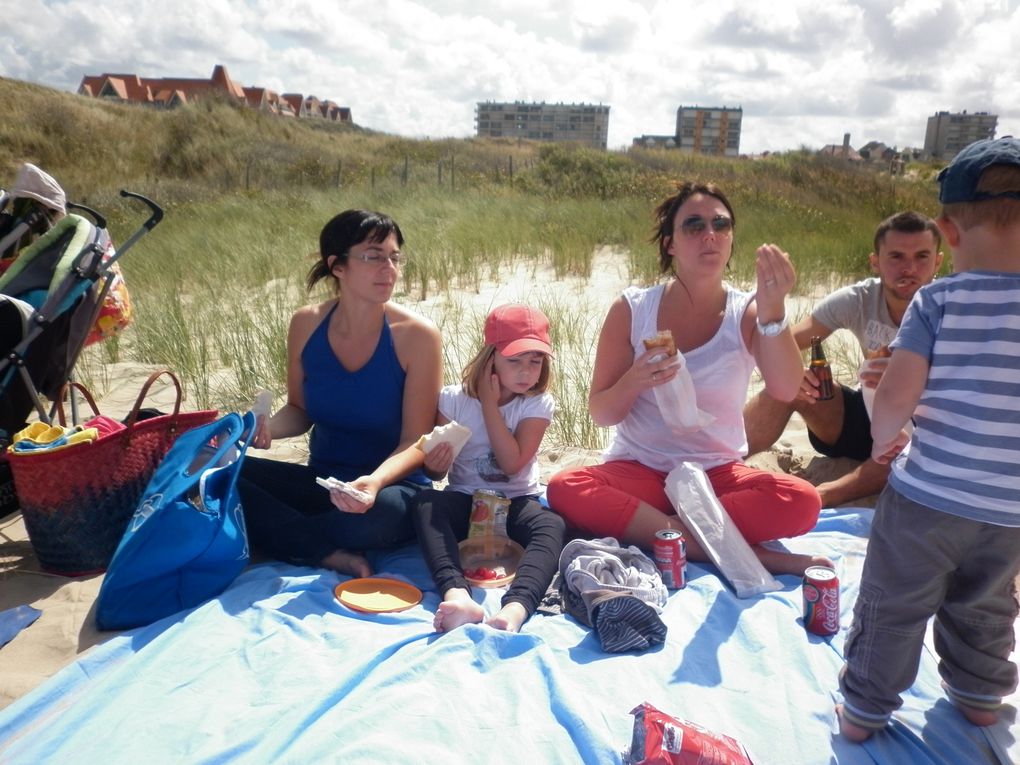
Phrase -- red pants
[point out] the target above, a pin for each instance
(601, 499)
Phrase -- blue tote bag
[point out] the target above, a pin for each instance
(186, 541)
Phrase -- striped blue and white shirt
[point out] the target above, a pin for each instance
(964, 455)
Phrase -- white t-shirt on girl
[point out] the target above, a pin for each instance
(476, 467)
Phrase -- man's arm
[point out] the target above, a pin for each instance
(807, 328)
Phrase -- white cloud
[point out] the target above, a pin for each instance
(804, 72)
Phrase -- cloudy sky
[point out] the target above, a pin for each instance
(804, 71)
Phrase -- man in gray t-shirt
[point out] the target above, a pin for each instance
(906, 257)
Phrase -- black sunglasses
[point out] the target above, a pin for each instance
(695, 225)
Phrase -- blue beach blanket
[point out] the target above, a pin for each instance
(276, 670)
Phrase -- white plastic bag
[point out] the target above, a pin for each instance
(690, 492)
(678, 401)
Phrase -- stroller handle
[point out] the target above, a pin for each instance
(157, 211)
(100, 220)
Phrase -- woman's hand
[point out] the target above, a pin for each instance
(263, 437)
(348, 504)
(871, 371)
(652, 368)
(776, 277)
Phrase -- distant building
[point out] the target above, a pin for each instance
(842, 151)
(839, 151)
(655, 141)
(168, 92)
(948, 133)
(703, 130)
(580, 123)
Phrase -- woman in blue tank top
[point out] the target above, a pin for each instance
(364, 375)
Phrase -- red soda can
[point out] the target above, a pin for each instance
(821, 600)
(670, 553)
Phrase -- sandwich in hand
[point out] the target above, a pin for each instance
(452, 433)
(663, 340)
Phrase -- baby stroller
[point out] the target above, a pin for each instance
(50, 297)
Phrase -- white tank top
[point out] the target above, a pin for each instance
(721, 370)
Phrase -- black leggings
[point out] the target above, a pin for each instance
(442, 518)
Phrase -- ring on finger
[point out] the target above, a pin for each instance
(655, 375)
(769, 282)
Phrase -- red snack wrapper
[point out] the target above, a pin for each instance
(661, 739)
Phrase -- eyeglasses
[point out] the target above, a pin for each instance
(695, 225)
(377, 259)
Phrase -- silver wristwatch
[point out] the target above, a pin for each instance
(773, 328)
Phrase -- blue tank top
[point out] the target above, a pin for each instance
(357, 415)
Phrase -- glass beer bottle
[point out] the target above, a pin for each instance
(820, 367)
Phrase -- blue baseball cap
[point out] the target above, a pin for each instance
(959, 179)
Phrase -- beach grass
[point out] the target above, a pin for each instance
(245, 196)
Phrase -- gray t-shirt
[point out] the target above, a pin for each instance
(860, 308)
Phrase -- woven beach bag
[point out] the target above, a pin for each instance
(76, 502)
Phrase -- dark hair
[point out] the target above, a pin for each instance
(907, 222)
(345, 230)
(665, 215)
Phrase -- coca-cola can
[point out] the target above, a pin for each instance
(821, 600)
(670, 553)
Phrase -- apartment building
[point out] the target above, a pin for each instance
(948, 133)
(709, 130)
(579, 123)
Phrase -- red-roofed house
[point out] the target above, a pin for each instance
(173, 91)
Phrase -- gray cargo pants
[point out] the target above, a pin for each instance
(922, 562)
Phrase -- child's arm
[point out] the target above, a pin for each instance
(512, 450)
(518, 448)
(439, 460)
(895, 400)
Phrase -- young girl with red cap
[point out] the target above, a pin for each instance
(502, 399)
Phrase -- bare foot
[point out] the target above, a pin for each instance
(982, 718)
(346, 563)
(510, 617)
(782, 562)
(456, 609)
(979, 717)
(852, 731)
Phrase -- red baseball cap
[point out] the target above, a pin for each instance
(517, 329)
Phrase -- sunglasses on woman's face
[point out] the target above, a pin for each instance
(695, 225)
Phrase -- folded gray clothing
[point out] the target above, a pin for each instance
(602, 564)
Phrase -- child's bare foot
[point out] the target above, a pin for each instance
(510, 617)
(782, 562)
(346, 563)
(456, 609)
(852, 731)
(979, 717)
(982, 718)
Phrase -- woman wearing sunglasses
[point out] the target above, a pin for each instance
(364, 375)
(722, 334)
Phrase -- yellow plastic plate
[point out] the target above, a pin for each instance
(377, 595)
